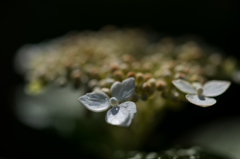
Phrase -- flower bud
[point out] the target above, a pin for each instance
(61, 81)
(179, 76)
(96, 89)
(76, 74)
(136, 66)
(114, 67)
(167, 74)
(152, 82)
(181, 68)
(92, 83)
(106, 91)
(146, 87)
(147, 76)
(196, 78)
(130, 74)
(94, 74)
(147, 67)
(118, 75)
(127, 58)
(84, 78)
(124, 67)
(139, 77)
(161, 85)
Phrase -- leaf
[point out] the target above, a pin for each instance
(214, 88)
(200, 101)
(95, 101)
(123, 91)
(117, 116)
(184, 86)
(131, 107)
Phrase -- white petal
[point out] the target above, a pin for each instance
(128, 121)
(131, 107)
(200, 101)
(117, 116)
(115, 90)
(123, 91)
(214, 88)
(95, 101)
(184, 86)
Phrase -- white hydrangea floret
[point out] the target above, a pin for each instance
(199, 95)
(120, 114)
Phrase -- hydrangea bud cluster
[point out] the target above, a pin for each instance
(95, 60)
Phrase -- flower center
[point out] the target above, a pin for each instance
(113, 101)
(199, 91)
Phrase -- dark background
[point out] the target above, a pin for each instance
(21, 22)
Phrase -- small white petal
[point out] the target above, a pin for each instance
(115, 90)
(123, 91)
(131, 107)
(95, 101)
(184, 86)
(200, 101)
(214, 88)
(117, 116)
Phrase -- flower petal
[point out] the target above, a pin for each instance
(200, 101)
(214, 88)
(115, 90)
(123, 91)
(95, 101)
(117, 116)
(131, 107)
(184, 86)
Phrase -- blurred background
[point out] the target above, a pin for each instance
(216, 22)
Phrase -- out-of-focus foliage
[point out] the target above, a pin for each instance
(174, 153)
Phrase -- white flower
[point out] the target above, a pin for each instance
(199, 95)
(120, 114)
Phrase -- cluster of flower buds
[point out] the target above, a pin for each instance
(95, 60)
(129, 74)
(98, 59)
